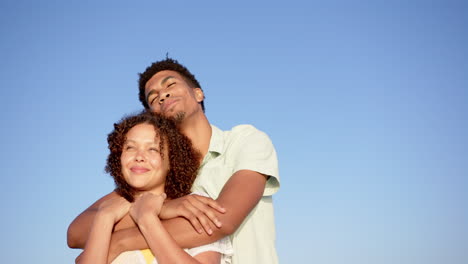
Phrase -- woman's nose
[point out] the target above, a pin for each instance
(139, 156)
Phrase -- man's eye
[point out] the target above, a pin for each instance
(154, 99)
(171, 84)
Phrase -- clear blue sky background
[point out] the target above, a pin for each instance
(365, 101)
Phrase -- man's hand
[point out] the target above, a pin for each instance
(199, 210)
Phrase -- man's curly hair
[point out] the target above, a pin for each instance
(163, 65)
(183, 159)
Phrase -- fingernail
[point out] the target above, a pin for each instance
(218, 223)
(210, 231)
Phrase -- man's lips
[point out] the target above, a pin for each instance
(167, 104)
(137, 169)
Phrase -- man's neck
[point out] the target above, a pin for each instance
(198, 130)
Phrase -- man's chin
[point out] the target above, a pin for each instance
(179, 117)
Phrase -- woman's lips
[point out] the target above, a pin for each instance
(139, 169)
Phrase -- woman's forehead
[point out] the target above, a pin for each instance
(144, 132)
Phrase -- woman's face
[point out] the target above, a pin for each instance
(142, 165)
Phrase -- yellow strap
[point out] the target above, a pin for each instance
(147, 255)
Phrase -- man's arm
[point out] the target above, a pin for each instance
(199, 210)
(239, 196)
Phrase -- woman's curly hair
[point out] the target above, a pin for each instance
(183, 158)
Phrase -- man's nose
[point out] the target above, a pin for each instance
(164, 96)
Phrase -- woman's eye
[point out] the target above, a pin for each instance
(128, 147)
(154, 149)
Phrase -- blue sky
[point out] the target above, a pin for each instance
(365, 101)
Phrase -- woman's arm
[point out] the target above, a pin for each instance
(79, 229)
(145, 213)
(97, 246)
(166, 249)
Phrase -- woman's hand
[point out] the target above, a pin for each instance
(147, 204)
(115, 208)
(199, 210)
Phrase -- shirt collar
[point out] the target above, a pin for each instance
(216, 145)
(216, 142)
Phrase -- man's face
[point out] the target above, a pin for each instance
(168, 93)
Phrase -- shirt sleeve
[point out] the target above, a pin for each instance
(253, 150)
(222, 246)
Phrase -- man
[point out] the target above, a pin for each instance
(239, 170)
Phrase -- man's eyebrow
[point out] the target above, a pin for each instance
(166, 79)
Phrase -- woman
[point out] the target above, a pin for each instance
(150, 160)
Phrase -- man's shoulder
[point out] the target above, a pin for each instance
(240, 129)
(240, 135)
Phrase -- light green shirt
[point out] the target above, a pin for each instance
(244, 148)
